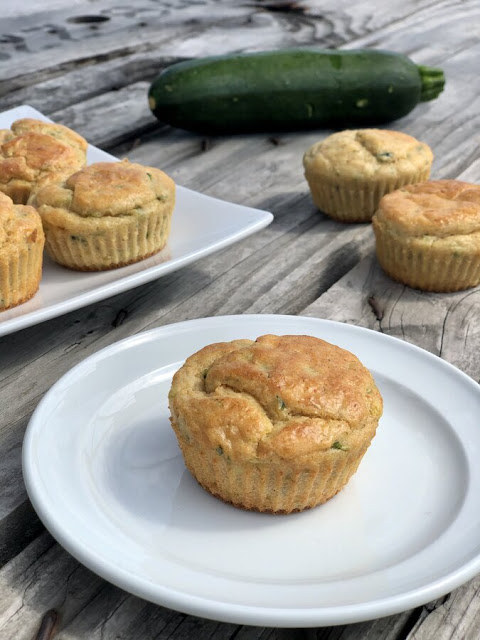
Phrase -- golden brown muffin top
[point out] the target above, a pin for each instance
(57, 131)
(18, 224)
(367, 153)
(439, 207)
(32, 149)
(286, 397)
(108, 189)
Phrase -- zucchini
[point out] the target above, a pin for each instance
(290, 90)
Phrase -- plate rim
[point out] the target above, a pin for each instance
(234, 612)
(131, 281)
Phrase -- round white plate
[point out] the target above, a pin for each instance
(104, 472)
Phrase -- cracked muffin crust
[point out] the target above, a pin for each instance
(428, 235)
(351, 170)
(33, 153)
(107, 215)
(21, 252)
(279, 424)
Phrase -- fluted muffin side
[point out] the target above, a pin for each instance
(21, 252)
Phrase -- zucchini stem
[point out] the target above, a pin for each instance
(433, 81)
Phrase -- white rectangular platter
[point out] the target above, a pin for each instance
(200, 226)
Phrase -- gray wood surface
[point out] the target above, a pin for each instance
(92, 73)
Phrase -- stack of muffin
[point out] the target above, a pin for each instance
(427, 232)
(93, 218)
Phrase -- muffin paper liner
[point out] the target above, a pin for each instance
(271, 487)
(130, 240)
(426, 268)
(355, 203)
(20, 273)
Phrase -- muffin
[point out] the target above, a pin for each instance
(107, 215)
(34, 152)
(275, 425)
(21, 252)
(350, 171)
(428, 235)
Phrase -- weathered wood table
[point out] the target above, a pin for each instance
(88, 65)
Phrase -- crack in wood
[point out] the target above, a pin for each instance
(431, 606)
(442, 335)
(34, 77)
(415, 623)
(104, 625)
(67, 586)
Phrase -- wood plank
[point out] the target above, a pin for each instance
(447, 324)
(455, 617)
(46, 44)
(89, 608)
(85, 82)
(43, 577)
(111, 117)
(389, 628)
(19, 523)
(168, 33)
(127, 617)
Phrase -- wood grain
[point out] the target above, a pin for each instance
(455, 617)
(108, 118)
(447, 325)
(85, 82)
(46, 44)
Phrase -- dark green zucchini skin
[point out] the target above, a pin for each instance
(287, 90)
